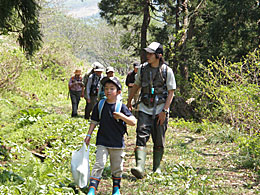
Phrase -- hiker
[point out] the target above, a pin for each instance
(157, 83)
(130, 79)
(112, 117)
(76, 90)
(92, 88)
(110, 73)
(85, 78)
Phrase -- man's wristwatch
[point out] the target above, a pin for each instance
(165, 111)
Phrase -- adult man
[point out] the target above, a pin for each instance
(157, 84)
(130, 79)
(76, 90)
(110, 71)
(92, 88)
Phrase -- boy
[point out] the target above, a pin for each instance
(110, 136)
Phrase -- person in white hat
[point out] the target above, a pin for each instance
(157, 83)
(110, 73)
(93, 88)
(76, 90)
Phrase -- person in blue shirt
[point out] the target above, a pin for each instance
(110, 135)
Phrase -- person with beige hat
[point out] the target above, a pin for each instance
(76, 90)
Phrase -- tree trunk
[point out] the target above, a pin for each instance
(174, 62)
(184, 66)
(145, 24)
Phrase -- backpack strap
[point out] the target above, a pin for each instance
(164, 72)
(142, 70)
(118, 106)
(101, 104)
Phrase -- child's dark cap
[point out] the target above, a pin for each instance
(113, 79)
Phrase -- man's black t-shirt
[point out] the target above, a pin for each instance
(130, 78)
(111, 132)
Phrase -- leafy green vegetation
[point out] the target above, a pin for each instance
(230, 92)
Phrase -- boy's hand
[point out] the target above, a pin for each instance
(117, 115)
(87, 140)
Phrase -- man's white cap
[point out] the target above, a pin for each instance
(154, 47)
(110, 69)
(97, 66)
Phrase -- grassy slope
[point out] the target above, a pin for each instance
(199, 158)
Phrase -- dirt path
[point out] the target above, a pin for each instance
(216, 161)
(212, 164)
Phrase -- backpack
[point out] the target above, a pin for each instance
(101, 104)
(85, 78)
(163, 68)
(118, 107)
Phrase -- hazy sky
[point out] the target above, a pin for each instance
(82, 8)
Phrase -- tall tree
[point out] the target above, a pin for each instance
(128, 13)
(21, 17)
(192, 31)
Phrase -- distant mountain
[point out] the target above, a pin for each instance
(82, 8)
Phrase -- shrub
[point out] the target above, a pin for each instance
(230, 92)
(55, 59)
(30, 116)
(12, 62)
(249, 152)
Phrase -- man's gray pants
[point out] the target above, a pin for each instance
(90, 106)
(75, 98)
(147, 126)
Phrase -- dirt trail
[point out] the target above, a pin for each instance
(213, 160)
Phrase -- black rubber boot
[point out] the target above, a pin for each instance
(140, 156)
(157, 157)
